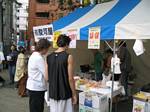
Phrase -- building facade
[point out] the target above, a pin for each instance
(13, 21)
(42, 12)
(1, 27)
(20, 21)
(6, 29)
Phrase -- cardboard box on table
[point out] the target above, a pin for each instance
(93, 102)
(141, 102)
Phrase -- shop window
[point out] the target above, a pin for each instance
(42, 14)
(43, 1)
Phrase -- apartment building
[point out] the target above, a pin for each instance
(42, 12)
(20, 20)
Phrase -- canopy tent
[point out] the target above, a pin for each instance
(118, 19)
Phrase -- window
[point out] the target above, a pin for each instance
(17, 18)
(43, 1)
(60, 15)
(42, 14)
(18, 33)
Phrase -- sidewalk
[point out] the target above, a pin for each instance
(9, 100)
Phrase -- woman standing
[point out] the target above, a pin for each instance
(21, 72)
(36, 83)
(12, 59)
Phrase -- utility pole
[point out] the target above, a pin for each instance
(1, 21)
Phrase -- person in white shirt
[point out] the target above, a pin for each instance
(36, 83)
(106, 76)
(2, 58)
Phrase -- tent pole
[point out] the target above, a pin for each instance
(112, 88)
(109, 45)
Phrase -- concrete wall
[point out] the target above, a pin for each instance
(82, 55)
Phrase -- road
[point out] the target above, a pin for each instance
(10, 101)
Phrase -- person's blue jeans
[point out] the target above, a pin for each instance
(12, 70)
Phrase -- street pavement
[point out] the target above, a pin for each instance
(9, 99)
(11, 102)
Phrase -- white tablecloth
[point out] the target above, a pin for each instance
(105, 91)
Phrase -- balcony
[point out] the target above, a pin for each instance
(22, 27)
(19, 14)
(19, 22)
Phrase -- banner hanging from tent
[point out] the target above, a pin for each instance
(94, 38)
(73, 34)
(45, 31)
(56, 35)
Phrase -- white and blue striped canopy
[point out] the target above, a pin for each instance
(118, 19)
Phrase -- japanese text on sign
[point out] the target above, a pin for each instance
(94, 38)
(56, 35)
(45, 31)
(73, 36)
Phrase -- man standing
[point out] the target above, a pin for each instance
(98, 64)
(125, 66)
(12, 59)
(60, 77)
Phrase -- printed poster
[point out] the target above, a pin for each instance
(94, 38)
(73, 34)
(45, 31)
(138, 106)
(56, 35)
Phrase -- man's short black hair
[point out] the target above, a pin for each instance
(21, 49)
(42, 44)
(63, 40)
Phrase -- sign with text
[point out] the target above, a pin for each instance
(73, 34)
(45, 31)
(94, 38)
(56, 35)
